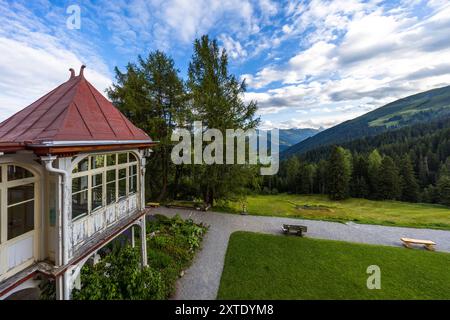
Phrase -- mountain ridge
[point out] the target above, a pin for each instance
(416, 108)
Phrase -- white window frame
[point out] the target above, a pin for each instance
(6, 184)
(90, 173)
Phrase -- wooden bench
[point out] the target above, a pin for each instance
(429, 245)
(153, 204)
(288, 228)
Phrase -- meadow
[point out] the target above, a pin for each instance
(320, 207)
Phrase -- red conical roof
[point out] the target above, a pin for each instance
(74, 113)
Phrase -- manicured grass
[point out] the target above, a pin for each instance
(261, 266)
(358, 210)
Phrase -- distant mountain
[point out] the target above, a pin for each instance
(422, 107)
(290, 137)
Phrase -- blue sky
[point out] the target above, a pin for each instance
(307, 63)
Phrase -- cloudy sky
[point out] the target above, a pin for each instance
(307, 63)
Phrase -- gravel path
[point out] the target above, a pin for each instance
(202, 279)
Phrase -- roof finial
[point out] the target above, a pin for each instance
(82, 70)
(72, 73)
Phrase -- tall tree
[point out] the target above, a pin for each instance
(443, 183)
(374, 164)
(151, 94)
(292, 169)
(443, 187)
(216, 100)
(389, 179)
(409, 185)
(321, 177)
(339, 174)
(359, 183)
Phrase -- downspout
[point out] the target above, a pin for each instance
(48, 161)
(63, 256)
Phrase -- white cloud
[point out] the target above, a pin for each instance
(32, 62)
(287, 29)
(233, 47)
(162, 24)
(358, 57)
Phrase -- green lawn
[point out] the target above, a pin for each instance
(359, 210)
(261, 266)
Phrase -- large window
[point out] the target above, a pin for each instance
(18, 194)
(101, 180)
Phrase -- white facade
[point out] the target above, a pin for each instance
(58, 211)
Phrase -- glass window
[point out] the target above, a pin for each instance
(133, 184)
(111, 192)
(132, 157)
(97, 179)
(79, 196)
(83, 165)
(20, 193)
(110, 186)
(97, 197)
(20, 204)
(20, 219)
(97, 162)
(97, 191)
(122, 173)
(123, 158)
(79, 204)
(111, 159)
(112, 180)
(111, 175)
(133, 179)
(80, 183)
(122, 183)
(122, 188)
(133, 170)
(16, 173)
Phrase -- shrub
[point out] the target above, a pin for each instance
(119, 276)
(171, 246)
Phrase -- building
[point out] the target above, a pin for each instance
(72, 170)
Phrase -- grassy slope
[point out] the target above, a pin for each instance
(301, 268)
(358, 210)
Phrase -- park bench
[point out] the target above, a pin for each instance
(429, 245)
(288, 228)
(153, 204)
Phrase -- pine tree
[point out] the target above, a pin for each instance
(373, 168)
(339, 174)
(443, 183)
(359, 183)
(320, 182)
(292, 170)
(409, 185)
(443, 187)
(389, 179)
(305, 180)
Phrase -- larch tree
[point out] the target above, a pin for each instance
(151, 94)
(216, 98)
